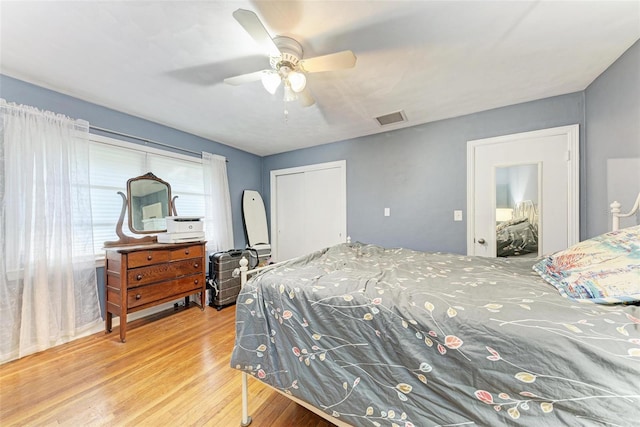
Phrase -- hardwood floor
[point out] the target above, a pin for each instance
(173, 370)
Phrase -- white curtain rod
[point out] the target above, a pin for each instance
(149, 141)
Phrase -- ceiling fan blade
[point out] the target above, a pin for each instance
(333, 61)
(245, 78)
(252, 25)
(305, 98)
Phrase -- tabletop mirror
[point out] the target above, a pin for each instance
(148, 201)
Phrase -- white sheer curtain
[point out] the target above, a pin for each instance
(48, 288)
(218, 223)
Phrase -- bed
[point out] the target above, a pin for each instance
(519, 236)
(366, 335)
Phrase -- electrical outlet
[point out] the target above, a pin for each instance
(387, 212)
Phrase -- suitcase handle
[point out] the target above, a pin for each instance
(235, 252)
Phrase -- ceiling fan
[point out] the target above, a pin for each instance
(287, 64)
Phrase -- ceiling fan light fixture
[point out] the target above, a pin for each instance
(286, 61)
(297, 81)
(289, 94)
(271, 81)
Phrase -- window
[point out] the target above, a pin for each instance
(113, 162)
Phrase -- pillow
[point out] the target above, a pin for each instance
(511, 222)
(603, 270)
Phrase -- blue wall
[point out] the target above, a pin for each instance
(420, 172)
(243, 168)
(613, 132)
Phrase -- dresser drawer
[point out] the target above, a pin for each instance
(168, 270)
(156, 256)
(168, 290)
(150, 257)
(194, 251)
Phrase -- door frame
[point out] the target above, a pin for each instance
(572, 156)
(339, 164)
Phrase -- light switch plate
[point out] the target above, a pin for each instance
(457, 215)
(387, 212)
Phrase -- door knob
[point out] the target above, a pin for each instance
(481, 241)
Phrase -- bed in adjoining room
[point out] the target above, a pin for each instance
(366, 335)
(518, 235)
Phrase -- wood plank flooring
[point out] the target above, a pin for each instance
(172, 371)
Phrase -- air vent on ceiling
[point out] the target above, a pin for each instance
(389, 119)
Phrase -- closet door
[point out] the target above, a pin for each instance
(325, 222)
(308, 209)
(290, 222)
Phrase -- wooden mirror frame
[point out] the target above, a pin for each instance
(133, 210)
(124, 239)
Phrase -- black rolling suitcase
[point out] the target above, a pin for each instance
(224, 288)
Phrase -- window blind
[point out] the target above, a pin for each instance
(113, 162)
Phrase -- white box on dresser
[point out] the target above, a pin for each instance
(184, 224)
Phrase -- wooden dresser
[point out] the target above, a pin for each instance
(139, 277)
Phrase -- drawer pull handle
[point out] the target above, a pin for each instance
(186, 252)
(139, 277)
(196, 265)
(149, 257)
(195, 282)
(138, 296)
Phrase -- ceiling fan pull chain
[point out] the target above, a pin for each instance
(286, 113)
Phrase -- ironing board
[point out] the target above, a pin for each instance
(255, 224)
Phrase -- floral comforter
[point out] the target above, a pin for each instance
(394, 337)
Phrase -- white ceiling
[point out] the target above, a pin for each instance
(165, 60)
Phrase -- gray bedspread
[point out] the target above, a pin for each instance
(391, 337)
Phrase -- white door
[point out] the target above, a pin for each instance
(308, 209)
(289, 219)
(325, 207)
(553, 155)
